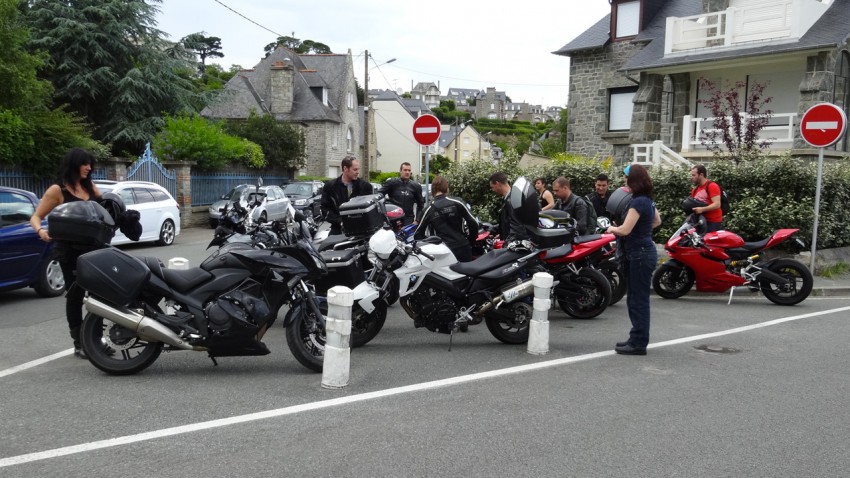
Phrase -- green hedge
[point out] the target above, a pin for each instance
(765, 195)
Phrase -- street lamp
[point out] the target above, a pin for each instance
(366, 105)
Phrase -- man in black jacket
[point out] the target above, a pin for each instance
(599, 197)
(405, 193)
(450, 220)
(510, 227)
(340, 190)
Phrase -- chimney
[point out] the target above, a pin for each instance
(282, 85)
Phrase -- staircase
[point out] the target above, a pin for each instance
(657, 154)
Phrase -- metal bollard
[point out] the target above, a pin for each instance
(337, 361)
(538, 329)
(180, 264)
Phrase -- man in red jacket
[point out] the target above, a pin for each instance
(708, 192)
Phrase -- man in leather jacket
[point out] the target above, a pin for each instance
(510, 227)
(340, 190)
(405, 193)
(449, 219)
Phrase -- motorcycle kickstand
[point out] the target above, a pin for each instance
(731, 291)
(215, 364)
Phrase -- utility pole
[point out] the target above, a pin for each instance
(366, 112)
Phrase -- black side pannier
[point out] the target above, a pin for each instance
(112, 275)
(81, 222)
(362, 215)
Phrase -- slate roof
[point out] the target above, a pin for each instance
(594, 37)
(250, 90)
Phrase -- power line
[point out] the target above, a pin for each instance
(246, 18)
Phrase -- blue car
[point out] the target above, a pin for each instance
(25, 260)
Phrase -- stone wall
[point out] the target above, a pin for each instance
(818, 85)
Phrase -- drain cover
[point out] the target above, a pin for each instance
(716, 349)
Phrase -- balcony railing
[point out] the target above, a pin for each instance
(780, 130)
(759, 20)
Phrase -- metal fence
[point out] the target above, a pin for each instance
(208, 187)
(147, 168)
(15, 178)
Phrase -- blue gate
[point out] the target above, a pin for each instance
(147, 168)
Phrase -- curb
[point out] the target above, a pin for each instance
(824, 291)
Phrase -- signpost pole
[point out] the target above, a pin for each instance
(427, 176)
(817, 210)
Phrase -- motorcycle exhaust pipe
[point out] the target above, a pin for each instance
(145, 327)
(509, 295)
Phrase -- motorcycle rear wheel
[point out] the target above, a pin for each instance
(109, 348)
(365, 326)
(590, 299)
(619, 283)
(306, 340)
(510, 323)
(672, 282)
(788, 294)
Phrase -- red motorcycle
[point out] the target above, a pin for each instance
(722, 260)
(582, 291)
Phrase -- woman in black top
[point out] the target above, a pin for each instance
(547, 200)
(74, 184)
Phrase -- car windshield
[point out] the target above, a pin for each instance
(295, 189)
(235, 194)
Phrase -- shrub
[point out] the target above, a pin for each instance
(193, 138)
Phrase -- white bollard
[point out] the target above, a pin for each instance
(337, 362)
(178, 263)
(538, 329)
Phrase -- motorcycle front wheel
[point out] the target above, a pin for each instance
(799, 284)
(306, 339)
(672, 282)
(585, 295)
(115, 349)
(365, 326)
(615, 275)
(510, 323)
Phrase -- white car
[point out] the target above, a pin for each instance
(160, 213)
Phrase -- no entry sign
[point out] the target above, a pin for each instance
(426, 130)
(823, 124)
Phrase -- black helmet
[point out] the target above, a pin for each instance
(690, 203)
(113, 204)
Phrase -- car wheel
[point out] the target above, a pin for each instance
(166, 233)
(51, 281)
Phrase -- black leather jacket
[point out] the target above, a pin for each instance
(445, 218)
(510, 227)
(335, 193)
(599, 203)
(404, 194)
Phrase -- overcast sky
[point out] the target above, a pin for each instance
(460, 43)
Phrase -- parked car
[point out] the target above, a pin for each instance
(25, 260)
(232, 195)
(306, 196)
(275, 205)
(160, 213)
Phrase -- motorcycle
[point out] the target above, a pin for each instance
(720, 261)
(442, 295)
(223, 307)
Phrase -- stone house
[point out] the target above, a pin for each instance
(315, 92)
(461, 96)
(525, 112)
(635, 74)
(428, 92)
(490, 104)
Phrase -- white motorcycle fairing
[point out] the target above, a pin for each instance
(365, 295)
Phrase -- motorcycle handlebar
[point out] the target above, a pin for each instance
(420, 251)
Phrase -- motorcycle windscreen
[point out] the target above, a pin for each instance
(112, 275)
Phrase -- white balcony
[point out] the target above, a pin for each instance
(743, 23)
(779, 132)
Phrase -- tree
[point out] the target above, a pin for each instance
(298, 46)
(204, 47)
(110, 65)
(439, 163)
(194, 138)
(283, 144)
(736, 126)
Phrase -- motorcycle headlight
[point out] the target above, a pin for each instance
(300, 202)
(382, 243)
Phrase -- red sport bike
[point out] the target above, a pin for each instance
(718, 261)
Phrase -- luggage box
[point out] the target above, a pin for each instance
(112, 275)
(81, 222)
(362, 215)
(343, 269)
(557, 217)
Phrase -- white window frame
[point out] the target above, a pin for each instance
(349, 140)
(620, 108)
(628, 19)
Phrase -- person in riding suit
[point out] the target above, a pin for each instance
(405, 193)
(510, 227)
(599, 197)
(571, 203)
(449, 219)
(340, 190)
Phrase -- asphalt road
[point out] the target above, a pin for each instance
(723, 392)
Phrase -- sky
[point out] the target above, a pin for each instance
(457, 44)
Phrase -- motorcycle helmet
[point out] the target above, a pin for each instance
(618, 204)
(690, 203)
(114, 205)
(523, 199)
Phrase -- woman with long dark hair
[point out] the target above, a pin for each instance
(74, 184)
(641, 257)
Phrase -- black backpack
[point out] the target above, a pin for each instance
(591, 215)
(724, 197)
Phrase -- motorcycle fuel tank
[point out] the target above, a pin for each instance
(723, 239)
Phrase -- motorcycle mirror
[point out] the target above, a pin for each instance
(259, 182)
(299, 217)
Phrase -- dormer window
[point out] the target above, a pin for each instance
(626, 19)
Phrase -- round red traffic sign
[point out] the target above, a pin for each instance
(823, 124)
(426, 130)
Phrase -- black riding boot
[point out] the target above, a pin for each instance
(78, 348)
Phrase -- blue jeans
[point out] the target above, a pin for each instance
(640, 264)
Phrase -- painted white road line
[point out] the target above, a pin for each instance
(223, 422)
(35, 363)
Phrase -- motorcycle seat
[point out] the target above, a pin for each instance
(557, 252)
(586, 238)
(486, 263)
(748, 248)
(331, 241)
(180, 280)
